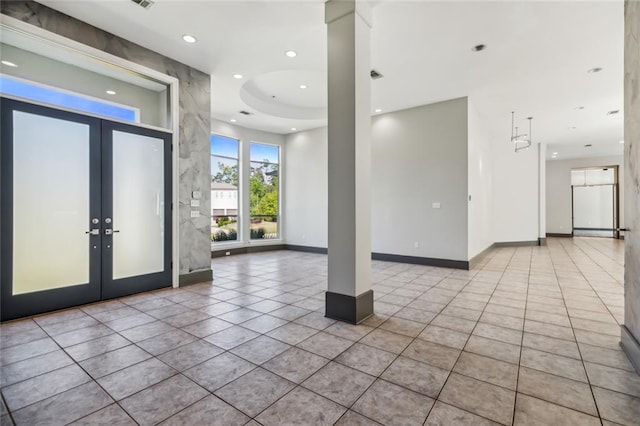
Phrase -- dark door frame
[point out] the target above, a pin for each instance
(100, 285)
(616, 201)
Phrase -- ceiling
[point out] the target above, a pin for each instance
(535, 62)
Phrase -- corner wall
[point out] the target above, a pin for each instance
(480, 179)
(631, 328)
(194, 131)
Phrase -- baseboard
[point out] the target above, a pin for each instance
(351, 309)
(556, 235)
(222, 252)
(542, 241)
(195, 277)
(427, 261)
(631, 347)
(306, 249)
(516, 244)
(475, 260)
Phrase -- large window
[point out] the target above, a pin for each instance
(224, 188)
(264, 191)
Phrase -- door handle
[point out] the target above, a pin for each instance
(110, 231)
(94, 231)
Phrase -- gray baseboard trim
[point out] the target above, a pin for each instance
(631, 347)
(195, 277)
(517, 243)
(428, 261)
(244, 250)
(542, 241)
(475, 260)
(351, 309)
(307, 249)
(555, 235)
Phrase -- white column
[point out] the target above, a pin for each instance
(542, 194)
(349, 296)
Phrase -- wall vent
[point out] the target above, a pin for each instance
(245, 112)
(143, 3)
(375, 75)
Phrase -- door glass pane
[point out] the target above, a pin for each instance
(50, 203)
(138, 205)
(593, 207)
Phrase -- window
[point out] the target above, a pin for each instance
(264, 191)
(69, 100)
(224, 188)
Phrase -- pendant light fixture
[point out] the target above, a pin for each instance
(520, 141)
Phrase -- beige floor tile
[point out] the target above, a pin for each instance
(447, 415)
(389, 404)
(553, 364)
(484, 399)
(487, 369)
(556, 389)
(617, 407)
(339, 383)
(533, 411)
(493, 349)
(432, 353)
(417, 376)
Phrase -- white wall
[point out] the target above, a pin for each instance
(515, 190)
(419, 156)
(306, 188)
(246, 136)
(480, 183)
(559, 189)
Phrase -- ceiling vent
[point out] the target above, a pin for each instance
(375, 75)
(245, 112)
(143, 3)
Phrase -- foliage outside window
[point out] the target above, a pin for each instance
(224, 188)
(264, 191)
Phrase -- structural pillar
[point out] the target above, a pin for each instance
(542, 194)
(349, 296)
(630, 340)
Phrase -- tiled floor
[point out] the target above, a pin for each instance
(531, 337)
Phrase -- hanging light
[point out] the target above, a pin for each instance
(520, 141)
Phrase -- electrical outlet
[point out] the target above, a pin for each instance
(416, 245)
(435, 205)
(228, 253)
(195, 213)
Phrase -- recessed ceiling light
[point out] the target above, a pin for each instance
(291, 53)
(555, 153)
(588, 145)
(614, 112)
(238, 76)
(303, 86)
(578, 108)
(188, 38)
(233, 120)
(554, 156)
(478, 47)
(9, 64)
(111, 92)
(621, 142)
(594, 70)
(293, 129)
(378, 110)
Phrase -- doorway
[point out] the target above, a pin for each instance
(86, 209)
(595, 204)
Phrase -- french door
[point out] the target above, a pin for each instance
(86, 209)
